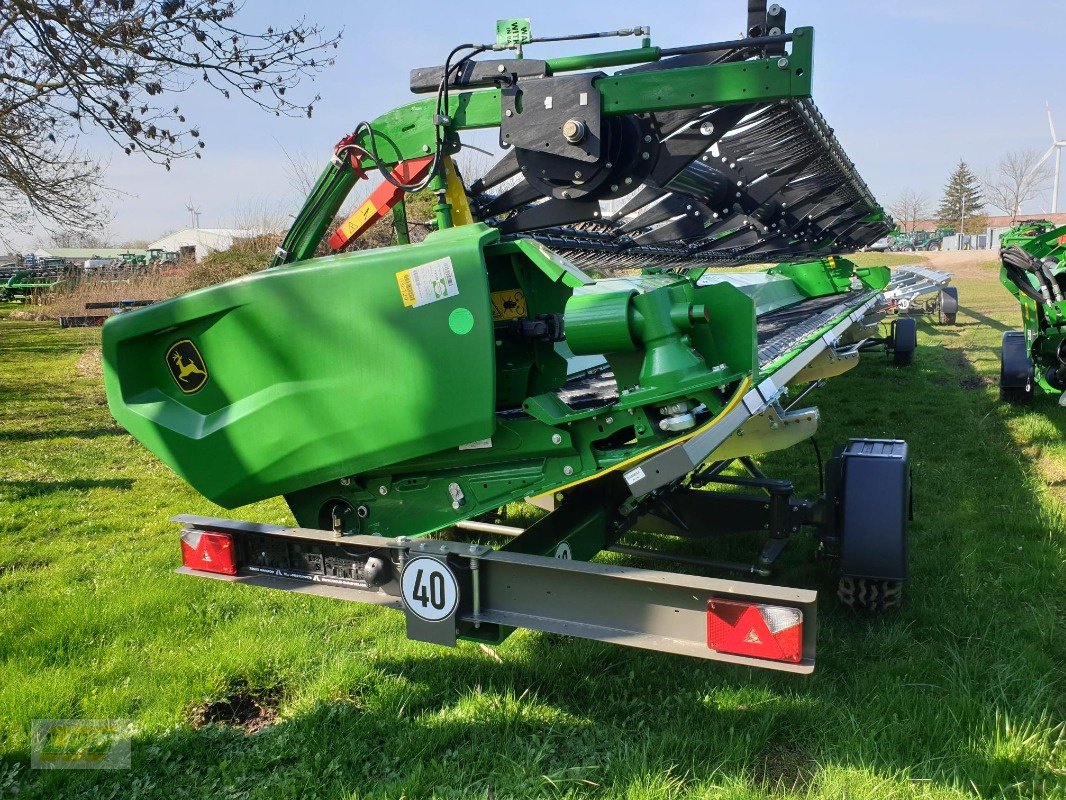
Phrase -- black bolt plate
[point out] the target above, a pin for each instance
(534, 112)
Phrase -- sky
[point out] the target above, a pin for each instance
(910, 87)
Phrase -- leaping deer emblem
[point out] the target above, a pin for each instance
(185, 369)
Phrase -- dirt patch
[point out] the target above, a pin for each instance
(976, 382)
(244, 707)
(977, 264)
(785, 767)
(90, 364)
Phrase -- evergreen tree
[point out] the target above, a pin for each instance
(962, 204)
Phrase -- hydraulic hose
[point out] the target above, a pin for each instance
(1020, 265)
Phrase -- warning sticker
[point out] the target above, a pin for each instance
(509, 304)
(634, 475)
(427, 283)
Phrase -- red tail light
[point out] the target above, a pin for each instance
(759, 631)
(208, 551)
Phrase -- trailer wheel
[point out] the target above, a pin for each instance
(904, 341)
(948, 305)
(869, 596)
(868, 481)
(1015, 369)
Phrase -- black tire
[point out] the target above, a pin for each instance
(1016, 397)
(904, 341)
(868, 595)
(1015, 370)
(948, 306)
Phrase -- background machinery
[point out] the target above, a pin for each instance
(1033, 255)
(427, 385)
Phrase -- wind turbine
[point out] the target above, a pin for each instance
(1056, 147)
(194, 212)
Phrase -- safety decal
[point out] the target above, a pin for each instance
(427, 283)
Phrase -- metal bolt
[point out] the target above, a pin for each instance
(508, 113)
(557, 439)
(402, 540)
(425, 148)
(577, 173)
(628, 181)
(500, 68)
(645, 155)
(647, 137)
(566, 195)
(346, 481)
(568, 470)
(443, 549)
(472, 548)
(614, 187)
(362, 512)
(383, 490)
(782, 63)
(421, 545)
(609, 420)
(574, 130)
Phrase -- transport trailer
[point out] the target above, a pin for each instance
(1034, 271)
(913, 282)
(395, 393)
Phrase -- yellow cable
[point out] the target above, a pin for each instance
(737, 397)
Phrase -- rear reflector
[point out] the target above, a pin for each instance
(208, 551)
(750, 629)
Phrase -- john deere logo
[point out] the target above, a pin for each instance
(187, 366)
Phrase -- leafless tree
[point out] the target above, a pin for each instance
(909, 207)
(1015, 180)
(302, 169)
(67, 66)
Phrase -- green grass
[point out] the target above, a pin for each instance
(960, 693)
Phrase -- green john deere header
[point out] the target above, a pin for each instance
(389, 394)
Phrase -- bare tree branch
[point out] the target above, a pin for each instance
(908, 208)
(1017, 178)
(113, 65)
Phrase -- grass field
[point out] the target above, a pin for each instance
(961, 693)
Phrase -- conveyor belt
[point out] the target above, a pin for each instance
(782, 330)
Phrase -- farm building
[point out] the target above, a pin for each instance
(199, 242)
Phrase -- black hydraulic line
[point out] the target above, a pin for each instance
(1018, 261)
(736, 44)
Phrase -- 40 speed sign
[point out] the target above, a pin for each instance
(429, 589)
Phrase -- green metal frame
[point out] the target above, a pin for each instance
(409, 132)
(1044, 324)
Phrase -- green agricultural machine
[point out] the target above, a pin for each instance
(1034, 271)
(395, 393)
(26, 285)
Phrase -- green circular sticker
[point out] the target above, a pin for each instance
(461, 321)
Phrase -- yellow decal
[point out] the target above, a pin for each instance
(359, 218)
(509, 304)
(407, 289)
(187, 366)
